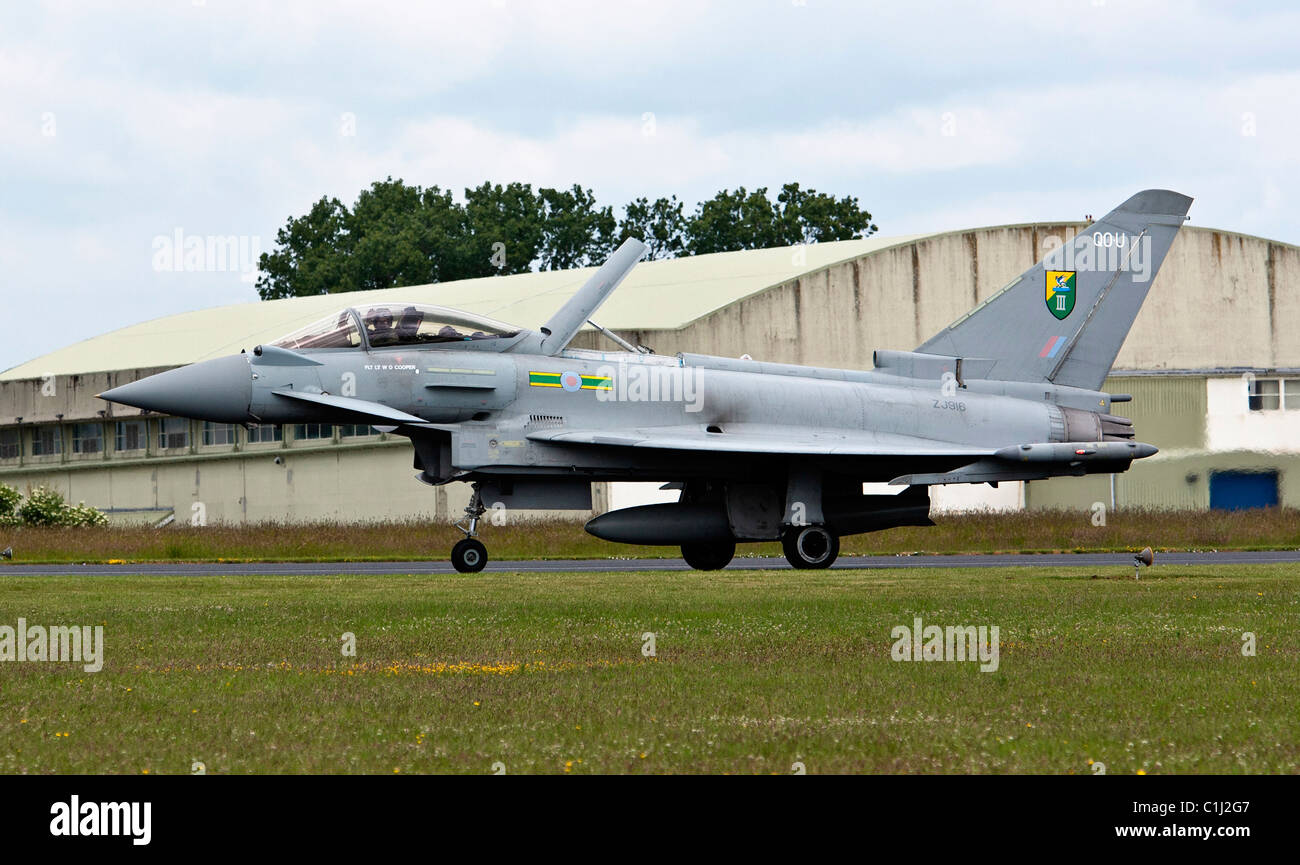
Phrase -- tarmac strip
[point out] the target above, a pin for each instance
(330, 569)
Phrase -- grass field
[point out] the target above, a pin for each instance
(1021, 531)
(753, 673)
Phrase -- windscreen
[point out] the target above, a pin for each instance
(334, 331)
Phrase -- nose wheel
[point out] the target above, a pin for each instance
(469, 555)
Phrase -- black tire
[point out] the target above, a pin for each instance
(469, 556)
(810, 547)
(709, 556)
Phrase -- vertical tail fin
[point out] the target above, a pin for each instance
(1065, 318)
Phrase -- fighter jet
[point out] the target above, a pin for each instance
(758, 450)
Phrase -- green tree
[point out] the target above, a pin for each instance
(577, 233)
(447, 236)
(505, 229)
(809, 216)
(734, 220)
(749, 220)
(397, 234)
(660, 224)
(311, 254)
(390, 240)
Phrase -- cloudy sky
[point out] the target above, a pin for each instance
(124, 123)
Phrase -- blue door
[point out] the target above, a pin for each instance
(1237, 491)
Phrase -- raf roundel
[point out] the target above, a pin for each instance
(570, 381)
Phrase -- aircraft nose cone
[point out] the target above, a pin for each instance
(216, 390)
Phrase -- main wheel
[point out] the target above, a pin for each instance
(810, 547)
(709, 556)
(469, 556)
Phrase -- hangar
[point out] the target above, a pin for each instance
(1212, 364)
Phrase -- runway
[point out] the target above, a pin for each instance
(326, 569)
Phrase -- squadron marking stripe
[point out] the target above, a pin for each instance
(552, 379)
(543, 379)
(1052, 346)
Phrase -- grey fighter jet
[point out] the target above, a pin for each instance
(759, 450)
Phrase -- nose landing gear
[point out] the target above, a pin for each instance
(469, 555)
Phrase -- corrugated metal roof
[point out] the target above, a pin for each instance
(658, 295)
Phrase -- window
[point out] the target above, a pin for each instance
(265, 433)
(307, 431)
(1265, 394)
(87, 438)
(131, 435)
(1291, 388)
(47, 441)
(11, 444)
(355, 430)
(173, 433)
(218, 433)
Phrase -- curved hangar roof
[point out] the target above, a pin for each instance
(657, 295)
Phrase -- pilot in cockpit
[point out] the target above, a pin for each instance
(379, 324)
(408, 326)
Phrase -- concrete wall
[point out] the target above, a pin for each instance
(368, 480)
(65, 397)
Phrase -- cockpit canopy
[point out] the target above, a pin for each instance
(385, 324)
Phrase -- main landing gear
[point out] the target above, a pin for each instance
(808, 547)
(469, 555)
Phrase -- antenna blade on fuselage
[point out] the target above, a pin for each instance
(566, 323)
